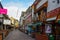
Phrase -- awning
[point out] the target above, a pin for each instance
(35, 24)
(50, 19)
(29, 25)
(38, 23)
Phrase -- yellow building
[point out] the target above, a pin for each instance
(14, 22)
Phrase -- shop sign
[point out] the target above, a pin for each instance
(48, 28)
(3, 11)
(52, 4)
(53, 13)
(7, 22)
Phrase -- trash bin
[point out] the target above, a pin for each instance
(51, 37)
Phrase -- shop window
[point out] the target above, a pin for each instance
(45, 10)
(53, 28)
(58, 1)
(48, 28)
(38, 29)
(0, 23)
(58, 21)
(39, 13)
(53, 1)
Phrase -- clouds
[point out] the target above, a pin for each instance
(0, 0)
(14, 12)
(14, 5)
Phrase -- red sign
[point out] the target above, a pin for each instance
(3, 11)
(53, 13)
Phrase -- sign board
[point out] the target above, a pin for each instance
(7, 22)
(53, 4)
(48, 28)
(3, 11)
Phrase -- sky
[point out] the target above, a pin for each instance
(15, 7)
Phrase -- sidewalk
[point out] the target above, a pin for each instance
(17, 35)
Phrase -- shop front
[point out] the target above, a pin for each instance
(51, 27)
(41, 10)
(53, 19)
(40, 32)
(34, 28)
(58, 27)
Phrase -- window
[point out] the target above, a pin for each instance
(53, 1)
(39, 13)
(58, 1)
(45, 10)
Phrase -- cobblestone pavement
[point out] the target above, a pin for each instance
(17, 35)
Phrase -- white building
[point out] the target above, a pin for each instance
(53, 4)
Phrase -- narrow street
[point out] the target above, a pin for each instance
(17, 35)
(29, 19)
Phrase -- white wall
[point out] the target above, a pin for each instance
(59, 4)
(7, 22)
(52, 5)
(21, 22)
(32, 12)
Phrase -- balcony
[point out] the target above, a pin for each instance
(40, 3)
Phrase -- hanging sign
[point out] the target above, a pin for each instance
(3, 11)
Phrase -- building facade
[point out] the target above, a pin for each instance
(44, 19)
(40, 12)
(22, 21)
(53, 12)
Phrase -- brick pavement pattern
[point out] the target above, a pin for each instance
(17, 35)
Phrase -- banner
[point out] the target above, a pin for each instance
(3, 11)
